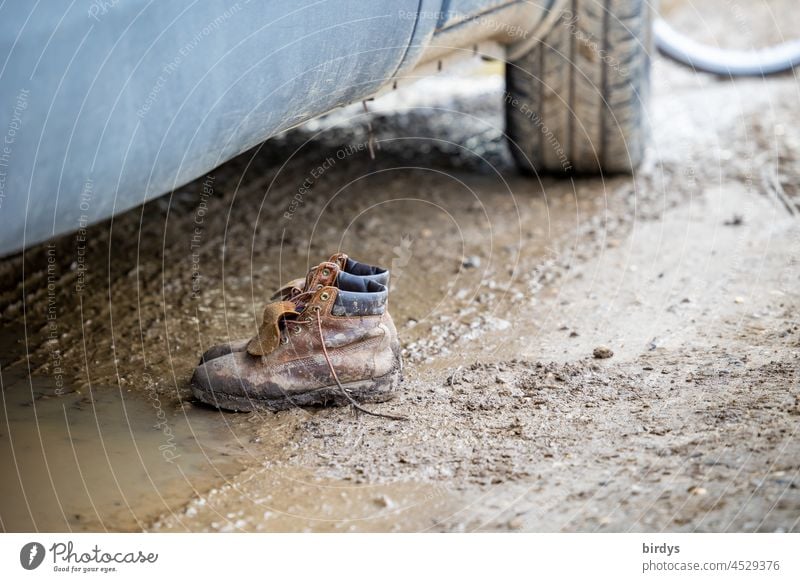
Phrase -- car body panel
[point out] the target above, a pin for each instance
(106, 104)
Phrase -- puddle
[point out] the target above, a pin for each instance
(284, 498)
(105, 460)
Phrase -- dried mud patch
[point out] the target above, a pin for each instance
(482, 425)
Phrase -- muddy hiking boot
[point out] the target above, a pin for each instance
(333, 343)
(316, 278)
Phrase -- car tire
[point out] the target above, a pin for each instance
(576, 102)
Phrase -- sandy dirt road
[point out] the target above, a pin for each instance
(503, 287)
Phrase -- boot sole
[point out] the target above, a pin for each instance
(379, 389)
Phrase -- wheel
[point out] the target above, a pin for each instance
(577, 101)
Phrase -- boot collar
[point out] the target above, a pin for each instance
(348, 265)
(357, 296)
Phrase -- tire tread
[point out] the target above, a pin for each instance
(578, 103)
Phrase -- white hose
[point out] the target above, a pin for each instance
(681, 48)
(728, 62)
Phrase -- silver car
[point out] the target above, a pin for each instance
(105, 104)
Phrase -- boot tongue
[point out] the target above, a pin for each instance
(269, 332)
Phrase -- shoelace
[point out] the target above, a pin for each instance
(355, 404)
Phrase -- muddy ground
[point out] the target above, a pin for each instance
(502, 289)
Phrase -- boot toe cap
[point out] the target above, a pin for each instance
(220, 380)
(223, 349)
(236, 381)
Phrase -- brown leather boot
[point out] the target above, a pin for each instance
(316, 277)
(335, 344)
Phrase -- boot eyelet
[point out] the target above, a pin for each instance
(296, 330)
(326, 272)
(319, 286)
(325, 296)
(284, 339)
(317, 308)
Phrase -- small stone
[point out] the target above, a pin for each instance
(739, 300)
(472, 262)
(602, 352)
(695, 490)
(384, 501)
(516, 523)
